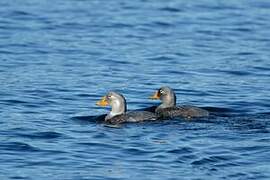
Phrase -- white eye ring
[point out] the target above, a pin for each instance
(161, 91)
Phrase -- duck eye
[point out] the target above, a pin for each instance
(161, 91)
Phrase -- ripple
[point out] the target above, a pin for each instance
(137, 151)
(243, 30)
(213, 160)
(170, 9)
(98, 144)
(237, 73)
(13, 101)
(18, 147)
(183, 150)
(42, 135)
(245, 53)
(163, 58)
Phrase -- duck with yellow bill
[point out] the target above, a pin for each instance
(168, 108)
(118, 113)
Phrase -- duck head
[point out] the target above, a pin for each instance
(117, 102)
(166, 95)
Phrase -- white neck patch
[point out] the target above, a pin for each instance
(112, 114)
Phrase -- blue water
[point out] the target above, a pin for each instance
(59, 57)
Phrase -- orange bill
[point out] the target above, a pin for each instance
(102, 102)
(155, 96)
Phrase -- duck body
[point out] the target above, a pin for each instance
(118, 112)
(168, 108)
(132, 116)
(181, 111)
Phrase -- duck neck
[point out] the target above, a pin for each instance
(168, 101)
(118, 108)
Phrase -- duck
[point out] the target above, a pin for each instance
(118, 113)
(168, 108)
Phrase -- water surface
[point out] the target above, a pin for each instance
(59, 57)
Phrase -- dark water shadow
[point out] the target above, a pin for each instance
(214, 112)
(89, 119)
(101, 118)
(220, 111)
(226, 117)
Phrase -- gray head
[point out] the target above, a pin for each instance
(166, 95)
(116, 100)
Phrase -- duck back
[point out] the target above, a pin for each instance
(132, 116)
(181, 111)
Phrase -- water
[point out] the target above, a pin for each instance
(59, 57)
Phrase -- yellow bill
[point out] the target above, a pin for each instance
(102, 102)
(155, 96)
